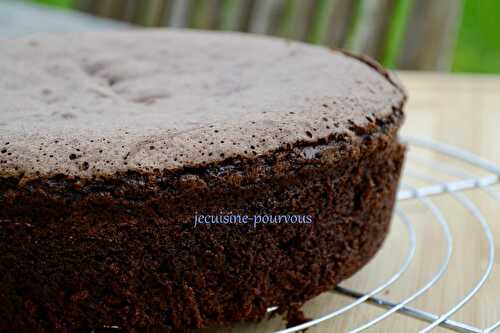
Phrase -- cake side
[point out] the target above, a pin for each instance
(130, 257)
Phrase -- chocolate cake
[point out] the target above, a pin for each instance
(112, 145)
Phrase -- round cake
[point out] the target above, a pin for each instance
(168, 180)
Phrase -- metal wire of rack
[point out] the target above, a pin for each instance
(434, 187)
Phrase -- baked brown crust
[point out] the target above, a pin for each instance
(97, 104)
(88, 250)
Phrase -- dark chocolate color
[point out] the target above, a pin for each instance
(89, 248)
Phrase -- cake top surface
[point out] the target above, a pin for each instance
(106, 102)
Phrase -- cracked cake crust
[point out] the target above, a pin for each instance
(97, 103)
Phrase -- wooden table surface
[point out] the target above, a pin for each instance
(462, 110)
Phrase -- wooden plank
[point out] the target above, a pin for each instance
(264, 11)
(149, 12)
(320, 21)
(294, 19)
(340, 23)
(246, 14)
(396, 33)
(83, 5)
(302, 19)
(103, 8)
(281, 24)
(230, 15)
(431, 35)
(203, 14)
(370, 25)
(178, 15)
(116, 9)
(119, 8)
(165, 13)
(130, 9)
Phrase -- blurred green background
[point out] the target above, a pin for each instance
(408, 41)
(478, 45)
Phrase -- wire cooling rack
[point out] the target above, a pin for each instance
(461, 172)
